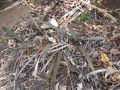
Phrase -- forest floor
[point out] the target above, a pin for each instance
(60, 45)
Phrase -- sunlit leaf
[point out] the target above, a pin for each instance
(72, 32)
(11, 33)
(104, 57)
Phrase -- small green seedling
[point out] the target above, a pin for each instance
(1, 40)
(112, 11)
(2, 7)
(118, 23)
(83, 17)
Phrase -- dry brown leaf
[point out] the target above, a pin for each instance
(101, 28)
(110, 71)
(114, 51)
(52, 4)
(63, 63)
(42, 46)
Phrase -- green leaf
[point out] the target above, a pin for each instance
(11, 33)
(87, 58)
(50, 25)
(72, 32)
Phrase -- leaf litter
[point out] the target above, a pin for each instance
(50, 51)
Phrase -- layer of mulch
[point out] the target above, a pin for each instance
(50, 58)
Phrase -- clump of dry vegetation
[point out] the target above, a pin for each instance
(64, 45)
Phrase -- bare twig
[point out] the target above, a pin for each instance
(59, 48)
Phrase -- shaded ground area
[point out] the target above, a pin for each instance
(11, 18)
(112, 5)
(81, 54)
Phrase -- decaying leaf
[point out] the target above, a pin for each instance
(114, 51)
(110, 71)
(42, 46)
(104, 57)
(115, 36)
(101, 28)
